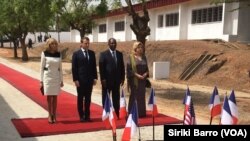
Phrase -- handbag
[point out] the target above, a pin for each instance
(148, 83)
(42, 90)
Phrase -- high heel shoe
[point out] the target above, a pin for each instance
(50, 119)
(54, 118)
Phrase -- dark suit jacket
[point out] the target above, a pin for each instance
(84, 70)
(113, 73)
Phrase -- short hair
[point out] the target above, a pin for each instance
(84, 38)
(50, 41)
(111, 39)
(135, 46)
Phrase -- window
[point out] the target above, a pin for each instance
(205, 15)
(209, 14)
(102, 28)
(119, 26)
(172, 19)
(160, 21)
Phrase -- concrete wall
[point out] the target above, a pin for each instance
(165, 33)
(244, 18)
(204, 30)
(232, 26)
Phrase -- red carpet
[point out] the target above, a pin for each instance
(67, 115)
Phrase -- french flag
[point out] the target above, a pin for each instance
(233, 107)
(123, 111)
(189, 114)
(112, 117)
(214, 104)
(152, 104)
(131, 125)
(108, 115)
(226, 116)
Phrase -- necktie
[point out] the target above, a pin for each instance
(113, 55)
(86, 54)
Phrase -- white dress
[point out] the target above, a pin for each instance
(51, 72)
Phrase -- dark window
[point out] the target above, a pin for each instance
(215, 14)
(119, 26)
(160, 21)
(205, 15)
(198, 16)
(209, 14)
(102, 28)
(194, 16)
(172, 19)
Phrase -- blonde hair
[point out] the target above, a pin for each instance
(135, 46)
(49, 42)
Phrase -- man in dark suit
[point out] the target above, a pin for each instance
(112, 73)
(84, 76)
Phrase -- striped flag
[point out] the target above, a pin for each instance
(233, 107)
(214, 104)
(131, 125)
(108, 115)
(189, 114)
(123, 111)
(226, 116)
(152, 104)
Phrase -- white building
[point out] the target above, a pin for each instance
(178, 20)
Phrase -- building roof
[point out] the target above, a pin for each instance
(150, 5)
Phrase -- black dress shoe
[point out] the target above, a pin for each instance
(88, 120)
(82, 120)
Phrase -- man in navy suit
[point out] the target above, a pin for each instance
(112, 73)
(84, 76)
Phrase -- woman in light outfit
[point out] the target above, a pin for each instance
(137, 73)
(51, 76)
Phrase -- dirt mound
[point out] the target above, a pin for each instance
(227, 69)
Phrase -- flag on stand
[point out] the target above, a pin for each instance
(131, 125)
(226, 116)
(108, 115)
(123, 111)
(233, 107)
(214, 104)
(189, 114)
(152, 104)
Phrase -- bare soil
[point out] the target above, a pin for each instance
(228, 70)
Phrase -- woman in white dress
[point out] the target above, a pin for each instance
(51, 76)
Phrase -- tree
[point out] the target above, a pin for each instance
(140, 22)
(19, 17)
(78, 14)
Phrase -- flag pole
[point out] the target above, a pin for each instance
(138, 120)
(153, 125)
(153, 118)
(184, 102)
(126, 117)
(113, 132)
(184, 115)
(223, 106)
(211, 118)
